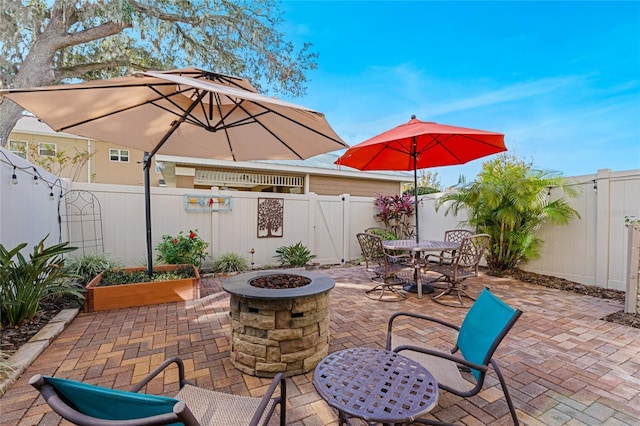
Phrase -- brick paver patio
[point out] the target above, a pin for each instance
(563, 364)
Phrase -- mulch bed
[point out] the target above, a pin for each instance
(12, 338)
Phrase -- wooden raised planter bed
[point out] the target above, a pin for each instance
(140, 294)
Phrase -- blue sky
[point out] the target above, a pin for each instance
(561, 80)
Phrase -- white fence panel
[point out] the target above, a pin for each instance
(566, 252)
(361, 216)
(237, 231)
(329, 229)
(27, 214)
(432, 223)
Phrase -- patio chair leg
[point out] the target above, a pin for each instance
(453, 290)
(378, 293)
(505, 390)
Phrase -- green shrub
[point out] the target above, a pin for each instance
(295, 255)
(117, 277)
(85, 268)
(182, 249)
(24, 283)
(230, 262)
(385, 234)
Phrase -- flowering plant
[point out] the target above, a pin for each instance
(396, 212)
(182, 249)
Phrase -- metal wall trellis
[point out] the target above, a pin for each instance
(83, 216)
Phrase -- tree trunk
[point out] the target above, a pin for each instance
(35, 70)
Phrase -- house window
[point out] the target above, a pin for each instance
(119, 155)
(19, 148)
(47, 149)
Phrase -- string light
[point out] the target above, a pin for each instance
(37, 177)
(595, 185)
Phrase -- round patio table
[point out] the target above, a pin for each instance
(416, 248)
(375, 385)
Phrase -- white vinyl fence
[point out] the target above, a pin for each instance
(324, 224)
(591, 250)
(28, 211)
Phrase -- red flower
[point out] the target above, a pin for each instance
(192, 235)
(175, 241)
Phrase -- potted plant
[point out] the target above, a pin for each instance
(177, 280)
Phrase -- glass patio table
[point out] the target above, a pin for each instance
(416, 248)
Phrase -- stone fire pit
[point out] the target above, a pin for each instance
(279, 321)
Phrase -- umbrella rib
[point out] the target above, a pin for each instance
(175, 125)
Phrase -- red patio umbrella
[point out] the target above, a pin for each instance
(421, 144)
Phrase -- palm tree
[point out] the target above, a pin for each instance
(509, 200)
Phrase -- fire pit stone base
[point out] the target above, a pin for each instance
(279, 335)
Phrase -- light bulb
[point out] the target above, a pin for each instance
(51, 193)
(35, 177)
(14, 178)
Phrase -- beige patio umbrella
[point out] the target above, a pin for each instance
(186, 112)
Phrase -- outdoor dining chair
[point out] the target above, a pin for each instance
(385, 266)
(85, 404)
(463, 264)
(451, 235)
(462, 370)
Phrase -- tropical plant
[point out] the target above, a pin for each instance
(46, 42)
(230, 262)
(428, 183)
(295, 255)
(509, 200)
(86, 267)
(24, 283)
(396, 212)
(182, 249)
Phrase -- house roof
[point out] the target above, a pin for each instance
(322, 164)
(32, 124)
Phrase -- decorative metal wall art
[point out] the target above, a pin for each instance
(270, 217)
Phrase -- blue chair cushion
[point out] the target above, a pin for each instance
(111, 404)
(482, 326)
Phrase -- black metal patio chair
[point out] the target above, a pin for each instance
(385, 266)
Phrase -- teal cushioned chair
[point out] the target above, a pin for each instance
(486, 324)
(85, 404)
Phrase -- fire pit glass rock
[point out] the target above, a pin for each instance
(280, 325)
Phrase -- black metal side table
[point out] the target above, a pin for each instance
(375, 385)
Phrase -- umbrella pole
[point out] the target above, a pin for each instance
(147, 210)
(147, 165)
(414, 154)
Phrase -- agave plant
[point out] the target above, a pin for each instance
(294, 255)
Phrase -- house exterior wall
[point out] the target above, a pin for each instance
(99, 169)
(329, 185)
